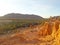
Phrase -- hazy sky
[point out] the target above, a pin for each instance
(44, 8)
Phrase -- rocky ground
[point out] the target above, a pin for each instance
(48, 34)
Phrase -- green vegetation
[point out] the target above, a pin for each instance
(9, 27)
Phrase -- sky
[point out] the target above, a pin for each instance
(44, 8)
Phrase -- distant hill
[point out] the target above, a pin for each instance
(20, 16)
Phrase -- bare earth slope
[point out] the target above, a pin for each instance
(48, 34)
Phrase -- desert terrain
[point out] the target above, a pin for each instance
(47, 34)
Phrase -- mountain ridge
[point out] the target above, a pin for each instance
(21, 16)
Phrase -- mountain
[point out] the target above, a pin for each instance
(21, 16)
